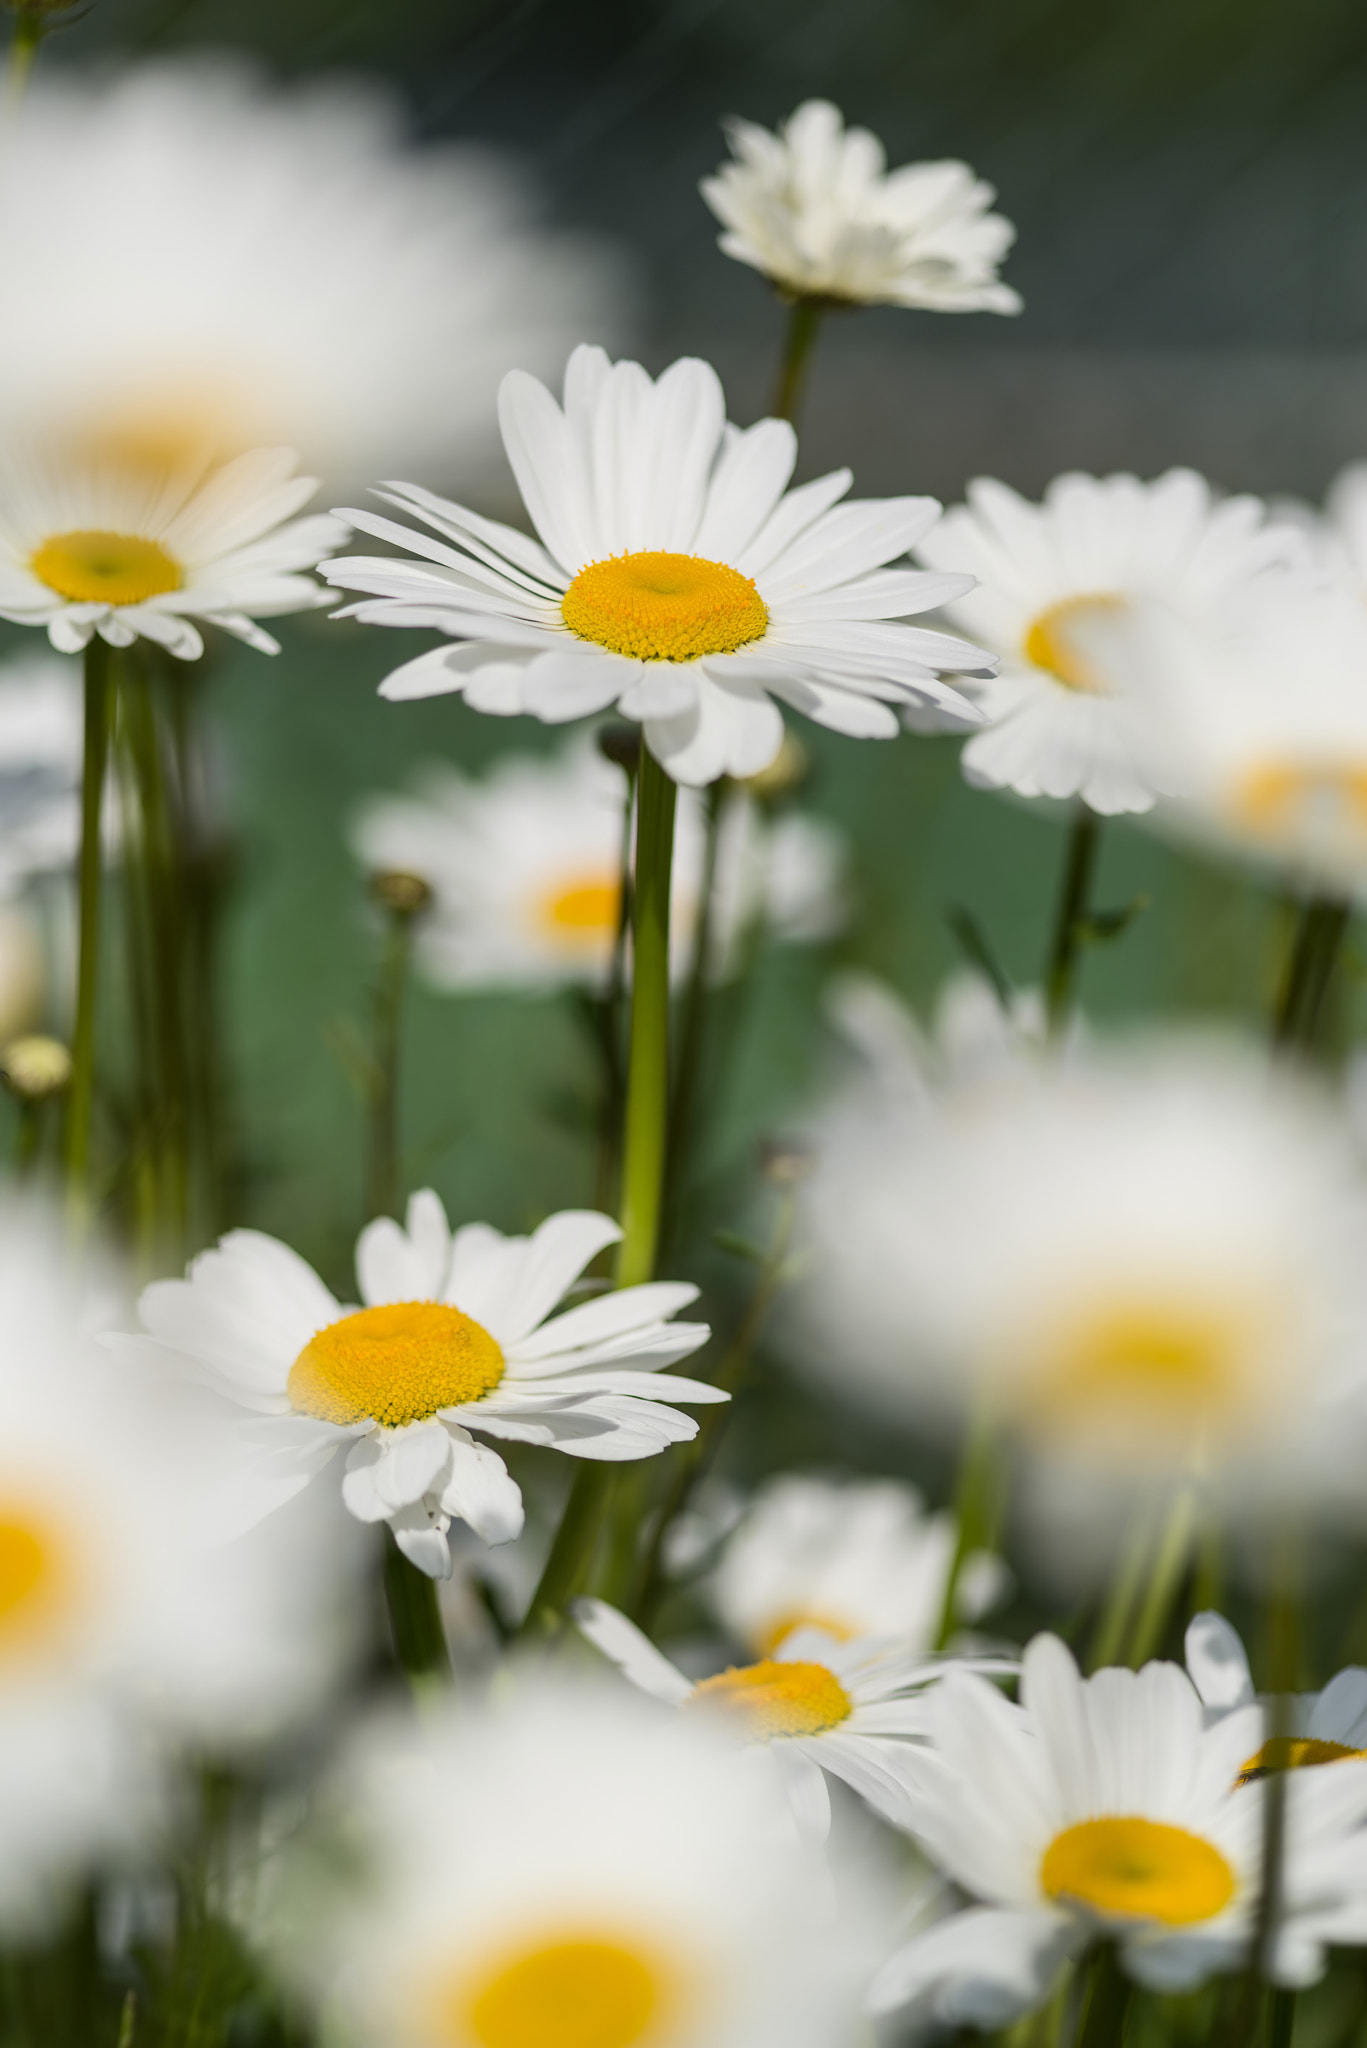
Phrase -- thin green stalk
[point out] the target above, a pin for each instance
(24, 46)
(1108, 2003)
(1283, 1670)
(1314, 954)
(977, 1511)
(414, 1617)
(401, 905)
(607, 1011)
(646, 1122)
(1117, 1615)
(695, 1005)
(571, 1552)
(1079, 868)
(1165, 1580)
(81, 1095)
(804, 323)
(1281, 2019)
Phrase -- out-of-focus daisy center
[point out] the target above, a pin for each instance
(585, 906)
(33, 1574)
(395, 1364)
(1069, 640)
(792, 1619)
(105, 568)
(579, 1993)
(663, 607)
(1175, 1363)
(1324, 801)
(1293, 1753)
(771, 1698)
(1138, 1869)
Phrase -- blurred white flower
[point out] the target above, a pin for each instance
(852, 1558)
(524, 867)
(40, 767)
(1147, 1261)
(571, 1870)
(127, 1623)
(678, 580)
(298, 275)
(91, 547)
(453, 1336)
(816, 209)
(851, 1708)
(1318, 1728)
(1105, 1808)
(1065, 593)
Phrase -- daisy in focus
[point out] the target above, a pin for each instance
(675, 577)
(127, 553)
(573, 1871)
(456, 1332)
(1163, 1273)
(524, 868)
(816, 209)
(1325, 1727)
(235, 325)
(855, 1709)
(1067, 594)
(1105, 1809)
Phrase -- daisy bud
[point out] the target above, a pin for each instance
(403, 893)
(784, 1162)
(35, 1067)
(789, 768)
(620, 744)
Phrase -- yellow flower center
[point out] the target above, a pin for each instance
(1293, 1753)
(1064, 640)
(1317, 800)
(105, 568)
(395, 1364)
(772, 1698)
(1137, 1870)
(577, 1993)
(35, 1574)
(1156, 1367)
(663, 607)
(586, 907)
(792, 1619)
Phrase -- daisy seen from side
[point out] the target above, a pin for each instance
(1324, 1727)
(675, 576)
(456, 1333)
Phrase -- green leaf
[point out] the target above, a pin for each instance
(1100, 926)
(978, 950)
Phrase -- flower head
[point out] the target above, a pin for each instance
(1066, 598)
(456, 1333)
(816, 209)
(676, 577)
(1317, 1728)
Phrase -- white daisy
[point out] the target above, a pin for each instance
(92, 547)
(524, 868)
(572, 1870)
(854, 1709)
(223, 311)
(1145, 1262)
(852, 1558)
(675, 577)
(815, 208)
(1065, 590)
(1104, 1807)
(127, 1626)
(453, 1336)
(1325, 1727)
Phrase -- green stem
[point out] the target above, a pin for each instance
(1169, 1565)
(1281, 2019)
(977, 1512)
(1314, 954)
(81, 1095)
(571, 1552)
(647, 1104)
(1113, 1624)
(382, 1174)
(804, 322)
(414, 1616)
(693, 1024)
(1108, 2003)
(606, 1012)
(24, 46)
(1079, 867)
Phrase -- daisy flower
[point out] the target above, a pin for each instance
(675, 577)
(1065, 593)
(1163, 1274)
(94, 548)
(456, 1333)
(129, 1629)
(571, 1870)
(237, 324)
(524, 868)
(1325, 1727)
(852, 1708)
(816, 209)
(851, 1558)
(1105, 1808)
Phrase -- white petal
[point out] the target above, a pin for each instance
(422, 1541)
(1218, 1663)
(481, 1493)
(633, 1653)
(625, 1308)
(415, 1461)
(575, 683)
(982, 1968)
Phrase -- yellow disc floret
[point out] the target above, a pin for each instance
(35, 1574)
(1151, 1369)
(788, 1623)
(586, 907)
(773, 1698)
(577, 1993)
(1138, 1869)
(1060, 640)
(1294, 1753)
(395, 1364)
(105, 568)
(663, 607)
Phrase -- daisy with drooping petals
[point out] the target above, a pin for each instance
(126, 553)
(854, 1709)
(675, 577)
(524, 868)
(456, 1333)
(816, 209)
(574, 1872)
(852, 1559)
(1064, 597)
(1105, 1808)
(1325, 1727)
